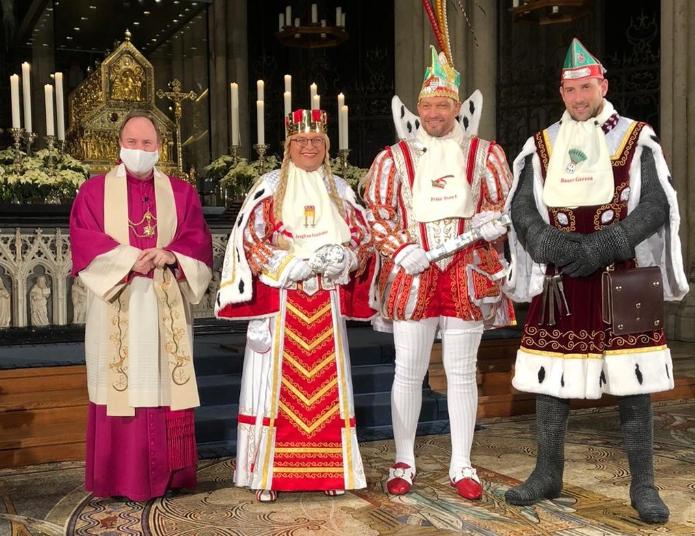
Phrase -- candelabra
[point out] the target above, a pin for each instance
(52, 158)
(17, 135)
(235, 153)
(29, 139)
(261, 149)
(343, 161)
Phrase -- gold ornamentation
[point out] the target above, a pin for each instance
(96, 108)
(150, 221)
(119, 335)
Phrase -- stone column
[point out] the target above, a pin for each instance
(477, 64)
(678, 140)
(228, 63)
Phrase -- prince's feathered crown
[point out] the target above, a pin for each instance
(441, 78)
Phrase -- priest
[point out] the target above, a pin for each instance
(142, 248)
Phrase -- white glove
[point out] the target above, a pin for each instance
(300, 271)
(490, 230)
(413, 259)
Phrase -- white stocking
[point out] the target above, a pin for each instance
(413, 342)
(460, 342)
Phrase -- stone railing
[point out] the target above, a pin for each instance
(36, 288)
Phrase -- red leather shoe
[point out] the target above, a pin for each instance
(401, 477)
(468, 484)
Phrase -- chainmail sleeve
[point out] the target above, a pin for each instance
(544, 243)
(617, 242)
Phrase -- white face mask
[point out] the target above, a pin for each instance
(138, 161)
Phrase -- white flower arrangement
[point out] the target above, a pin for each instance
(42, 177)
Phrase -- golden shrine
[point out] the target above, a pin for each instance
(123, 82)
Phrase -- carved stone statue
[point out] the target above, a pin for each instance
(212, 289)
(5, 306)
(79, 301)
(38, 302)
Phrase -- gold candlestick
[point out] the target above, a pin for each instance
(235, 153)
(343, 161)
(29, 139)
(17, 135)
(52, 159)
(261, 150)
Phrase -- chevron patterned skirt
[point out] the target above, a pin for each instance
(307, 441)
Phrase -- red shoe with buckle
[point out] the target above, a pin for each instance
(468, 484)
(401, 477)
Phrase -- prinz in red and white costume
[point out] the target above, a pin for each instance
(421, 193)
(296, 411)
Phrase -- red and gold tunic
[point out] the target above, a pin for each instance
(461, 286)
(579, 356)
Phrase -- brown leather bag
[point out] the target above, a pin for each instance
(633, 299)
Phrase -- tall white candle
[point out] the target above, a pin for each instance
(314, 13)
(342, 20)
(50, 125)
(235, 113)
(260, 125)
(60, 107)
(341, 103)
(313, 91)
(316, 102)
(26, 94)
(288, 83)
(515, 3)
(14, 91)
(287, 97)
(338, 16)
(344, 111)
(288, 15)
(259, 90)
(281, 22)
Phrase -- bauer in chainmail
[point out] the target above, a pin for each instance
(590, 192)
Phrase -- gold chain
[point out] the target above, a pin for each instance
(149, 229)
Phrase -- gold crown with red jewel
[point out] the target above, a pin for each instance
(305, 121)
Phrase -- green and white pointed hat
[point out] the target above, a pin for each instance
(580, 63)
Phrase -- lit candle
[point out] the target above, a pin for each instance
(314, 13)
(341, 103)
(344, 112)
(338, 15)
(316, 102)
(50, 125)
(287, 97)
(281, 22)
(60, 107)
(14, 90)
(288, 83)
(288, 15)
(259, 122)
(235, 113)
(313, 91)
(259, 89)
(26, 94)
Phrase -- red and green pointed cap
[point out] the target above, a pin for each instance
(580, 63)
